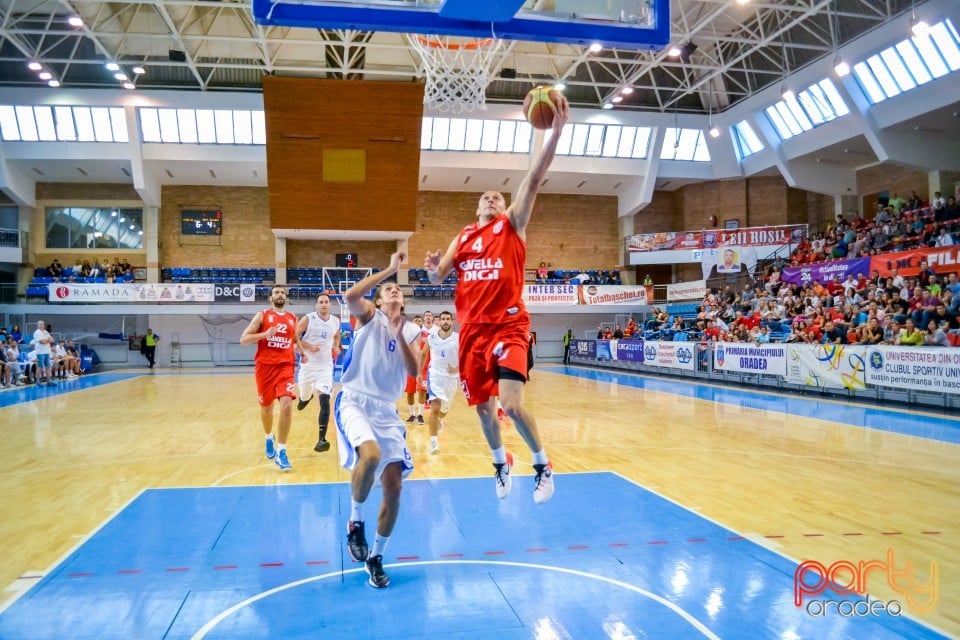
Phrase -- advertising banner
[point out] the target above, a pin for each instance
(82, 292)
(823, 272)
(612, 294)
(907, 263)
(827, 366)
(675, 355)
(628, 351)
(695, 290)
(770, 359)
(935, 369)
(186, 292)
(728, 261)
(603, 350)
(708, 239)
(583, 348)
(552, 294)
(233, 292)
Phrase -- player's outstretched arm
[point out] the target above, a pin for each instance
(411, 361)
(438, 266)
(361, 308)
(521, 208)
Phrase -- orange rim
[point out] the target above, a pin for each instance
(436, 44)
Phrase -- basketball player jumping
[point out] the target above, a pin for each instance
(490, 256)
(372, 438)
(319, 333)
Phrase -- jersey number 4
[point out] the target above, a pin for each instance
(477, 245)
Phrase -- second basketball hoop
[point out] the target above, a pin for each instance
(456, 70)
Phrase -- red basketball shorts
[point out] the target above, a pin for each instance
(484, 350)
(274, 381)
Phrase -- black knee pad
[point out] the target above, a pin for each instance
(324, 410)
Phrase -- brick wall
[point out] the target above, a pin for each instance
(322, 253)
(72, 192)
(246, 241)
(726, 199)
(889, 177)
(659, 215)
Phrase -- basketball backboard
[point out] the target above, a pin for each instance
(626, 24)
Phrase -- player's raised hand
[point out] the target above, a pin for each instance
(432, 261)
(562, 112)
(397, 259)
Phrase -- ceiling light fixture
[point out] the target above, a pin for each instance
(112, 66)
(616, 99)
(34, 66)
(626, 90)
(129, 85)
(786, 93)
(139, 70)
(674, 51)
(559, 86)
(53, 83)
(44, 75)
(75, 21)
(841, 68)
(121, 76)
(608, 105)
(714, 132)
(596, 47)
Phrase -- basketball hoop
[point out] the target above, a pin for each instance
(456, 70)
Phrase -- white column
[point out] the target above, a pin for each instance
(403, 275)
(280, 260)
(151, 241)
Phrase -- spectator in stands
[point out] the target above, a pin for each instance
(600, 332)
(912, 336)
(631, 329)
(892, 333)
(925, 273)
(936, 335)
(870, 332)
(833, 335)
(55, 268)
(542, 273)
(96, 270)
(149, 347)
(581, 278)
(6, 370)
(941, 315)
(953, 286)
(41, 343)
(952, 210)
(72, 359)
(647, 281)
(29, 364)
(944, 239)
(567, 338)
(18, 337)
(914, 202)
(897, 203)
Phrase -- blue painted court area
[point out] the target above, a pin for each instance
(895, 420)
(605, 558)
(10, 397)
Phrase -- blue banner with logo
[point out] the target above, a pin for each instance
(603, 350)
(630, 351)
(675, 355)
(583, 348)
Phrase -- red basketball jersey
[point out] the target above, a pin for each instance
(279, 348)
(490, 262)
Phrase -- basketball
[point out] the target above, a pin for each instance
(539, 106)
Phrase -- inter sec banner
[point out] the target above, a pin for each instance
(612, 294)
(674, 355)
(747, 357)
(823, 272)
(827, 366)
(695, 290)
(553, 294)
(935, 369)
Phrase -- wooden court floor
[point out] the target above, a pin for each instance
(810, 480)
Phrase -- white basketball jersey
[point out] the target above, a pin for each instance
(373, 365)
(443, 353)
(322, 333)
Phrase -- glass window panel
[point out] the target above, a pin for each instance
(946, 44)
(794, 106)
(441, 134)
(782, 129)
(242, 129)
(688, 143)
(206, 127)
(93, 228)
(611, 141)
(833, 96)
(46, 130)
(118, 120)
(505, 140)
(595, 140)
(701, 152)
(897, 69)
(102, 129)
(641, 143)
(563, 144)
(28, 126)
(883, 76)
(578, 141)
(259, 127)
(869, 84)
(952, 30)
(914, 64)
(671, 142)
(458, 134)
(224, 126)
(787, 115)
(749, 136)
(488, 141)
(474, 135)
(810, 106)
(81, 117)
(8, 123)
(521, 143)
(187, 126)
(65, 129)
(426, 133)
(169, 127)
(149, 125)
(625, 148)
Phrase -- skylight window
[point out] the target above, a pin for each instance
(745, 140)
(203, 126)
(684, 144)
(817, 104)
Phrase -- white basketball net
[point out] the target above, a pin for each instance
(456, 70)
